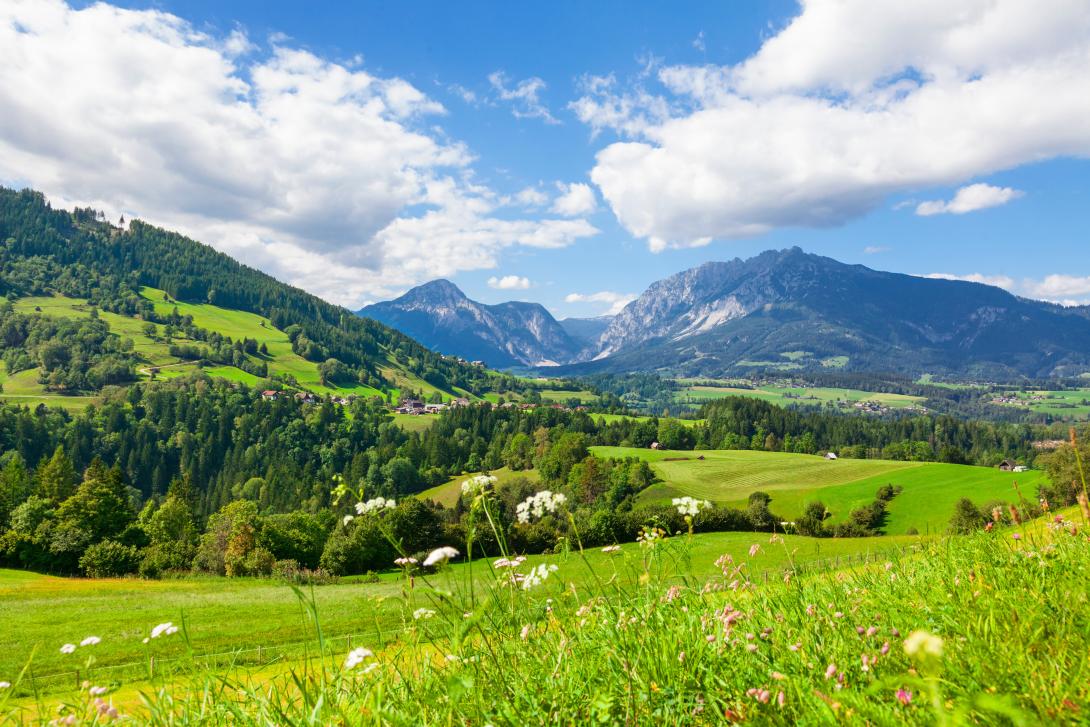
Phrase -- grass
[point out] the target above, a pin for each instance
(727, 477)
(787, 395)
(609, 418)
(447, 494)
(981, 629)
(1071, 404)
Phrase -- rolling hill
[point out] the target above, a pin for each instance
(244, 324)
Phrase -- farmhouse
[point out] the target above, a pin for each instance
(656, 445)
(306, 397)
(269, 394)
(830, 455)
(1008, 465)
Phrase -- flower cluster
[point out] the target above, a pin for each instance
(440, 555)
(164, 629)
(537, 575)
(611, 549)
(650, 536)
(423, 613)
(405, 562)
(377, 504)
(690, 506)
(476, 485)
(509, 562)
(357, 656)
(537, 505)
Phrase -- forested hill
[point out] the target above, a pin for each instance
(49, 251)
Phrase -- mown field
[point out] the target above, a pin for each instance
(696, 393)
(448, 493)
(264, 620)
(1071, 404)
(727, 477)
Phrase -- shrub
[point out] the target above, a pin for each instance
(109, 559)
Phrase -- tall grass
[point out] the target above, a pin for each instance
(983, 629)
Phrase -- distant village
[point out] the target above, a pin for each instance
(410, 406)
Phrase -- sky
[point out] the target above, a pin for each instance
(569, 153)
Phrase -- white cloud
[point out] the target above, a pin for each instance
(698, 42)
(969, 199)
(875, 249)
(531, 197)
(576, 199)
(523, 96)
(615, 301)
(818, 128)
(320, 173)
(998, 281)
(509, 282)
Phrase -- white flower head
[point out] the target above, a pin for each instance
(537, 575)
(164, 629)
(476, 485)
(923, 644)
(535, 506)
(90, 641)
(5, 685)
(377, 504)
(440, 555)
(68, 648)
(423, 613)
(610, 549)
(404, 562)
(97, 691)
(347, 519)
(357, 656)
(690, 506)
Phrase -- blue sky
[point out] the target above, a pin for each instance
(701, 132)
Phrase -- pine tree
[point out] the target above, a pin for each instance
(56, 477)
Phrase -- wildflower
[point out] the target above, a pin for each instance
(681, 658)
(838, 614)
(5, 685)
(164, 629)
(440, 555)
(357, 656)
(648, 537)
(538, 575)
(90, 641)
(830, 671)
(690, 506)
(476, 485)
(810, 609)
(97, 691)
(751, 647)
(888, 566)
(923, 643)
(347, 519)
(885, 648)
(403, 562)
(780, 699)
(904, 696)
(525, 633)
(423, 613)
(754, 549)
(988, 528)
(509, 563)
(872, 631)
(68, 648)
(377, 504)
(609, 549)
(795, 647)
(777, 676)
(535, 506)
(1016, 536)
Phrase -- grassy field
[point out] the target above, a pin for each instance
(786, 395)
(264, 618)
(607, 418)
(448, 493)
(1066, 404)
(727, 477)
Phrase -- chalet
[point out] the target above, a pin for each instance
(1007, 466)
(306, 397)
(460, 401)
(411, 406)
(269, 394)
(434, 408)
(656, 445)
(830, 455)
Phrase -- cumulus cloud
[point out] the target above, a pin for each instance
(615, 301)
(875, 249)
(1056, 288)
(969, 199)
(575, 199)
(531, 197)
(509, 282)
(321, 173)
(817, 128)
(524, 96)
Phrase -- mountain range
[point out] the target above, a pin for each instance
(780, 310)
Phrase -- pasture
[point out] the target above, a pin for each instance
(1065, 404)
(259, 621)
(698, 393)
(728, 477)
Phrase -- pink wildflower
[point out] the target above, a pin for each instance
(830, 671)
(904, 696)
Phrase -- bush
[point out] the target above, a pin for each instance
(109, 559)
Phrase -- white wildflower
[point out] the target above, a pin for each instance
(535, 506)
(424, 613)
(403, 562)
(609, 549)
(923, 643)
(476, 485)
(509, 562)
(357, 656)
(377, 504)
(68, 648)
(164, 629)
(5, 685)
(537, 575)
(347, 519)
(440, 555)
(97, 691)
(690, 506)
(90, 641)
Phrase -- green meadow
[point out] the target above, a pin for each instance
(1062, 404)
(697, 393)
(926, 503)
